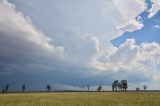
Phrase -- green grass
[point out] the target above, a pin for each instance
(81, 99)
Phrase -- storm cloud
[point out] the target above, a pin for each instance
(73, 59)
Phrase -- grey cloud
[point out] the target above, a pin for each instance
(29, 56)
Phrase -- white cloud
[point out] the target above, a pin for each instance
(139, 18)
(155, 8)
(157, 26)
(129, 11)
(130, 8)
(131, 26)
(138, 60)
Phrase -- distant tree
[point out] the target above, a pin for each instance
(115, 84)
(6, 88)
(23, 87)
(124, 85)
(145, 88)
(120, 86)
(113, 87)
(3, 90)
(99, 88)
(88, 87)
(48, 87)
(137, 89)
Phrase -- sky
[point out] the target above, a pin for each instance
(70, 44)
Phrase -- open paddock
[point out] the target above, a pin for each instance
(81, 99)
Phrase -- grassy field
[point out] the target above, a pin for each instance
(81, 99)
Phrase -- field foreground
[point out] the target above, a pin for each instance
(81, 99)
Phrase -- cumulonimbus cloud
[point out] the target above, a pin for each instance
(20, 37)
(23, 47)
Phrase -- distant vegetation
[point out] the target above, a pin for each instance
(117, 86)
(5, 89)
(99, 88)
(23, 87)
(48, 87)
(122, 86)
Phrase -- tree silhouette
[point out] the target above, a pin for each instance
(99, 88)
(23, 87)
(88, 87)
(48, 87)
(145, 88)
(3, 90)
(137, 89)
(124, 85)
(115, 83)
(113, 87)
(120, 86)
(6, 88)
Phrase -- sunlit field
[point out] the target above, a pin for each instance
(81, 99)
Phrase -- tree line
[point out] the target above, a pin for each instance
(5, 89)
(117, 86)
